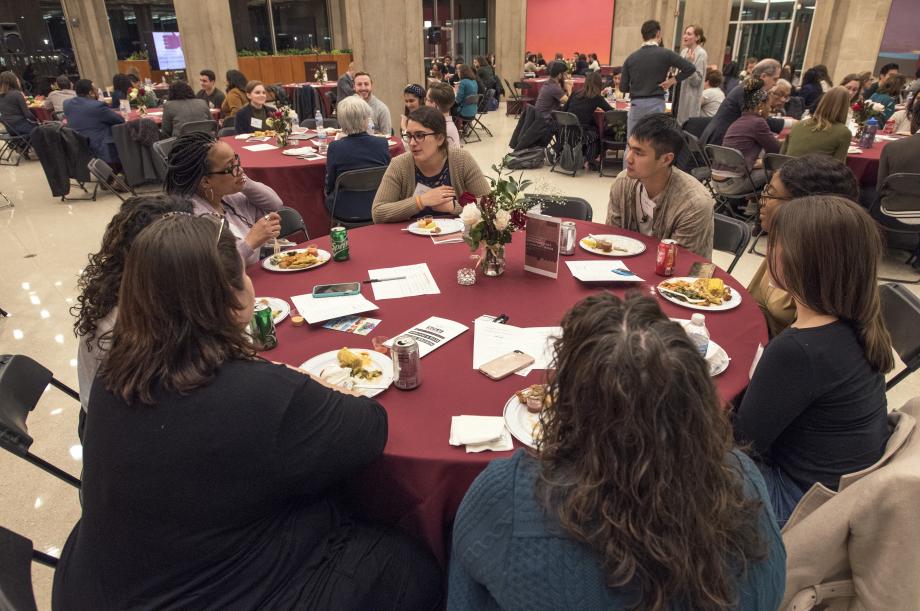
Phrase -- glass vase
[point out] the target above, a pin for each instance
(281, 139)
(493, 262)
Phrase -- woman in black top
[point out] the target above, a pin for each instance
(816, 406)
(121, 85)
(581, 65)
(253, 116)
(208, 471)
(811, 90)
(582, 104)
(13, 108)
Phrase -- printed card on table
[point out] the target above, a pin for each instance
(541, 247)
(358, 325)
(432, 333)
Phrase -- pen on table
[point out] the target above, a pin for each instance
(501, 319)
(383, 279)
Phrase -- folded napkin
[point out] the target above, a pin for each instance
(479, 433)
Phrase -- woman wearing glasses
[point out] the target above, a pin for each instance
(428, 178)
(209, 172)
(799, 177)
(208, 472)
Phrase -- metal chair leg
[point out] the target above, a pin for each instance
(8, 204)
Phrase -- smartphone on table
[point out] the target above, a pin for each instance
(337, 290)
(506, 364)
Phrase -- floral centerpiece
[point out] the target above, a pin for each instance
(863, 110)
(320, 75)
(282, 123)
(137, 97)
(492, 220)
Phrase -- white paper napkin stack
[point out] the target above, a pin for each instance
(479, 433)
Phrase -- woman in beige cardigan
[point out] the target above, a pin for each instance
(428, 178)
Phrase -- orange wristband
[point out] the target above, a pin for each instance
(418, 202)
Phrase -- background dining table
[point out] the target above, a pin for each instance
(420, 480)
(300, 183)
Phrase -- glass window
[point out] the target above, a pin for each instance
(781, 9)
(301, 24)
(763, 40)
(754, 10)
(132, 24)
(736, 10)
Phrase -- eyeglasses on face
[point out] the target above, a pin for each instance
(233, 168)
(769, 193)
(418, 136)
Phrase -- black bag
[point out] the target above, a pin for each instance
(572, 158)
(526, 159)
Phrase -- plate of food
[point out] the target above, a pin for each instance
(612, 245)
(704, 294)
(280, 308)
(522, 414)
(365, 371)
(431, 226)
(296, 259)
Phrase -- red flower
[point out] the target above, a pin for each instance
(141, 92)
(519, 219)
(857, 106)
(466, 198)
(277, 114)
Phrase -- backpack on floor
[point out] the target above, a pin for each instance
(526, 159)
(572, 158)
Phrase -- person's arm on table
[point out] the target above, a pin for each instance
(779, 391)
(389, 208)
(109, 116)
(603, 105)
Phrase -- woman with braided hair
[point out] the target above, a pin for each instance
(750, 133)
(209, 172)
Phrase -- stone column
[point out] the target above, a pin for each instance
(628, 17)
(508, 30)
(712, 16)
(386, 42)
(207, 37)
(846, 36)
(91, 37)
(335, 10)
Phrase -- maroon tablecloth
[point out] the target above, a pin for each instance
(299, 183)
(321, 88)
(154, 114)
(421, 479)
(41, 114)
(536, 84)
(865, 164)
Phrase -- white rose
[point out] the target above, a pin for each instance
(878, 107)
(470, 215)
(502, 218)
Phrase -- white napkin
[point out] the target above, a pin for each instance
(480, 433)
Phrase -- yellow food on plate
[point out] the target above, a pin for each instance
(296, 259)
(360, 363)
(589, 242)
(712, 290)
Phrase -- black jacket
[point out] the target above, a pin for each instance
(64, 155)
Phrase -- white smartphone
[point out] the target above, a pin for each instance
(506, 364)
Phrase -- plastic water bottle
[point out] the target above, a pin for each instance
(371, 128)
(321, 144)
(318, 117)
(698, 333)
(868, 137)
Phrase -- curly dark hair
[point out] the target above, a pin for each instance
(754, 93)
(635, 457)
(817, 174)
(99, 282)
(180, 90)
(121, 82)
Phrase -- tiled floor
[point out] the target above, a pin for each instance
(43, 246)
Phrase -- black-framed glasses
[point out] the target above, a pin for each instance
(768, 193)
(233, 168)
(418, 136)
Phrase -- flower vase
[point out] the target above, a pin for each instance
(142, 110)
(860, 129)
(493, 261)
(281, 139)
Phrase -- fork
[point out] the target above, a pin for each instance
(680, 296)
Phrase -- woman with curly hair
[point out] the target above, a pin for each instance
(97, 304)
(750, 133)
(635, 497)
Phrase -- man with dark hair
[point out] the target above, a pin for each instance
(380, 114)
(449, 67)
(887, 71)
(645, 75)
(55, 100)
(653, 197)
(209, 91)
(88, 116)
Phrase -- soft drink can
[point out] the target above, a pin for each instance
(666, 258)
(406, 361)
(339, 238)
(889, 126)
(567, 243)
(262, 328)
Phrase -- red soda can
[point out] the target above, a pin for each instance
(889, 126)
(666, 258)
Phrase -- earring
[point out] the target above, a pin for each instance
(209, 193)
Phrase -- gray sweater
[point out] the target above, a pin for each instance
(176, 113)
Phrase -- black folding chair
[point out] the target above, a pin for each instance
(207, 127)
(615, 121)
(564, 207)
(226, 131)
(464, 124)
(161, 149)
(515, 105)
(108, 179)
(696, 125)
(331, 100)
(570, 132)
(698, 160)
(22, 383)
(732, 181)
(12, 144)
(16, 556)
(327, 122)
(772, 162)
(901, 311)
(365, 181)
(481, 110)
(291, 223)
(897, 210)
(730, 235)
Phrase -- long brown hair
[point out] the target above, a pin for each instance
(827, 258)
(634, 457)
(177, 309)
(593, 85)
(101, 278)
(8, 82)
(833, 108)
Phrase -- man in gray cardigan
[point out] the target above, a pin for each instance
(653, 197)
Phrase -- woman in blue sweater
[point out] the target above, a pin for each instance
(635, 498)
(467, 87)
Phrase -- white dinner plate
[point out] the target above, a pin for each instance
(520, 422)
(318, 363)
(630, 246)
(280, 307)
(268, 263)
(306, 151)
(731, 304)
(447, 227)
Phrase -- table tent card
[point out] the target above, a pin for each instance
(541, 245)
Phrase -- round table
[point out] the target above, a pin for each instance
(865, 165)
(420, 480)
(300, 183)
(321, 89)
(534, 85)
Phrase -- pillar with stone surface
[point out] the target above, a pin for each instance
(508, 19)
(91, 37)
(386, 42)
(207, 37)
(713, 17)
(628, 17)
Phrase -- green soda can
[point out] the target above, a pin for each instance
(339, 238)
(263, 327)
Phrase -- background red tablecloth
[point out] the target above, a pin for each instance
(865, 164)
(321, 88)
(41, 114)
(299, 183)
(421, 479)
(536, 84)
(154, 114)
